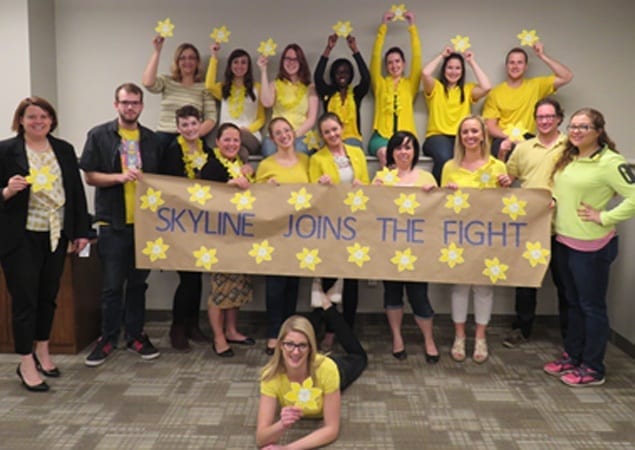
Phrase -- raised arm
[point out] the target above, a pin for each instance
(427, 74)
(213, 86)
(322, 87)
(149, 76)
(415, 47)
(376, 57)
(563, 74)
(267, 89)
(484, 85)
(364, 75)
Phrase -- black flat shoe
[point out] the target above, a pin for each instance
(432, 359)
(402, 355)
(225, 353)
(42, 387)
(246, 341)
(269, 350)
(53, 373)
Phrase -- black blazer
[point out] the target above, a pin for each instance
(13, 212)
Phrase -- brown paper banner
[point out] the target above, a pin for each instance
(471, 236)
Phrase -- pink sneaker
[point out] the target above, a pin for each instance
(582, 377)
(560, 366)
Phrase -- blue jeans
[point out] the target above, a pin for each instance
(417, 296)
(281, 299)
(117, 254)
(585, 278)
(269, 148)
(440, 148)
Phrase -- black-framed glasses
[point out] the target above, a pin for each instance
(546, 117)
(126, 103)
(290, 346)
(583, 127)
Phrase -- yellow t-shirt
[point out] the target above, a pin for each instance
(292, 102)
(532, 163)
(270, 168)
(327, 379)
(130, 157)
(485, 176)
(445, 112)
(513, 106)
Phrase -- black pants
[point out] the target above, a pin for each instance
(352, 364)
(33, 275)
(350, 294)
(187, 298)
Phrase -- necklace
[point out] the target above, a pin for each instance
(192, 160)
(345, 110)
(236, 101)
(232, 167)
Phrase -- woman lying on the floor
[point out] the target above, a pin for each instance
(305, 383)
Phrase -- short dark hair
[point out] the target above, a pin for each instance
(187, 111)
(553, 102)
(397, 50)
(32, 101)
(517, 50)
(398, 139)
(130, 88)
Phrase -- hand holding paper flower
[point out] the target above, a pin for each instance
(343, 29)
(41, 180)
(398, 11)
(220, 35)
(165, 28)
(527, 38)
(267, 48)
(461, 43)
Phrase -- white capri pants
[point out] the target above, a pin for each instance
(483, 303)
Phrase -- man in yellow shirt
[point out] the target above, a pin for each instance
(509, 105)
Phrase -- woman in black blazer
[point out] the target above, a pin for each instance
(42, 209)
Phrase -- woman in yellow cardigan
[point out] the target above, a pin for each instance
(394, 94)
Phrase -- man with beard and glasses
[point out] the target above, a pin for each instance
(115, 155)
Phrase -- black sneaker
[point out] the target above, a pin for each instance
(143, 347)
(99, 354)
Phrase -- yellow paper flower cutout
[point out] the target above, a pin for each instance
(151, 200)
(457, 201)
(358, 254)
(407, 203)
(461, 43)
(309, 258)
(399, 11)
(495, 270)
(156, 249)
(41, 180)
(527, 38)
(243, 201)
(300, 199)
(356, 200)
(515, 132)
(205, 257)
(311, 139)
(261, 252)
(387, 176)
(267, 48)
(165, 28)
(305, 395)
(404, 260)
(514, 207)
(220, 34)
(452, 255)
(199, 194)
(343, 29)
(535, 254)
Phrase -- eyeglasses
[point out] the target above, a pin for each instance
(126, 103)
(291, 59)
(188, 58)
(290, 346)
(583, 128)
(282, 132)
(548, 117)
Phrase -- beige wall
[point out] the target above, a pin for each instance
(84, 48)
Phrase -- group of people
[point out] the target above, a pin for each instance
(43, 212)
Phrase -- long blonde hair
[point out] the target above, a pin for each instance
(459, 148)
(276, 365)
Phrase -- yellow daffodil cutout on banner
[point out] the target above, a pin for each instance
(261, 252)
(535, 254)
(358, 254)
(343, 29)
(205, 257)
(452, 255)
(304, 395)
(515, 132)
(243, 201)
(407, 203)
(495, 270)
(165, 28)
(309, 258)
(514, 207)
(41, 180)
(199, 194)
(267, 48)
(399, 11)
(221, 34)
(404, 260)
(156, 250)
(460, 43)
(527, 38)
(387, 176)
(300, 199)
(356, 200)
(151, 200)
(457, 201)
(311, 139)
(486, 179)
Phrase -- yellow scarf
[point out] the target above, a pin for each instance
(193, 161)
